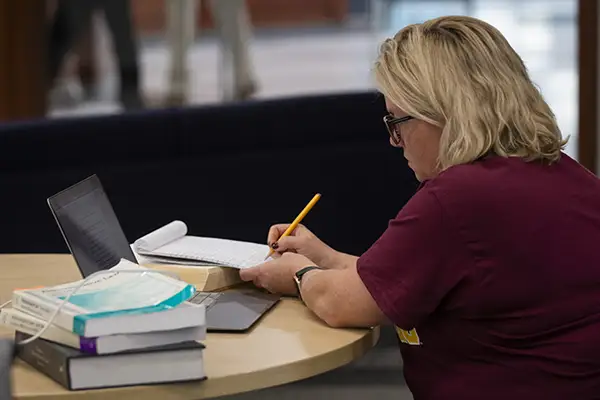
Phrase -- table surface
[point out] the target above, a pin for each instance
(288, 344)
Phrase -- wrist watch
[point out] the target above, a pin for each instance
(299, 274)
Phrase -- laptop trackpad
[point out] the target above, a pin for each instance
(238, 310)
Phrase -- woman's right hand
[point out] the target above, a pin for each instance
(304, 242)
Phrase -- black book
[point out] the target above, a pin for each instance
(76, 370)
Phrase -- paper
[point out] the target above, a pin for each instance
(219, 251)
(170, 245)
(161, 236)
(184, 262)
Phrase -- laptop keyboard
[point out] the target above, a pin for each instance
(207, 299)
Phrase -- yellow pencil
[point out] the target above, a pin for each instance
(298, 219)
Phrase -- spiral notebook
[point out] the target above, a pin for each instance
(171, 244)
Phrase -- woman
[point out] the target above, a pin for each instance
(491, 272)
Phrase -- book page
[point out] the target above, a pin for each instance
(160, 237)
(226, 252)
(174, 261)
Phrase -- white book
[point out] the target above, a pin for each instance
(115, 303)
(31, 325)
(171, 244)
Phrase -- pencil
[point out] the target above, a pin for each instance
(298, 219)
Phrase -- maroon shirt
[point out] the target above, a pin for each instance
(496, 266)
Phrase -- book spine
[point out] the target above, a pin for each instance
(31, 325)
(88, 345)
(46, 358)
(21, 302)
(41, 309)
(18, 323)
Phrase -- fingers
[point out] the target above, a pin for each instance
(275, 233)
(288, 243)
(277, 230)
(249, 274)
(255, 275)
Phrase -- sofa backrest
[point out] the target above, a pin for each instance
(225, 170)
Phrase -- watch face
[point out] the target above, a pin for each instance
(297, 280)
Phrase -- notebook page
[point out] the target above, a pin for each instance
(231, 253)
(160, 237)
(186, 262)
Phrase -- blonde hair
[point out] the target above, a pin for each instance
(460, 74)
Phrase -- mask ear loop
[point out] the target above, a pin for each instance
(76, 289)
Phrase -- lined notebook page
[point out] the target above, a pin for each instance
(219, 251)
(160, 237)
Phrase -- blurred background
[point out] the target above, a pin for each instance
(188, 52)
(65, 58)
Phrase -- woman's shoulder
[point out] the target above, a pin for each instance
(489, 170)
(496, 178)
(478, 174)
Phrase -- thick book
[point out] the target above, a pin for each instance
(76, 370)
(205, 279)
(171, 244)
(29, 324)
(115, 303)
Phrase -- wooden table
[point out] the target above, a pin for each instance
(288, 344)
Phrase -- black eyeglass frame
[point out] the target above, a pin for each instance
(391, 123)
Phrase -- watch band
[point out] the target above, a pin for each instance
(299, 274)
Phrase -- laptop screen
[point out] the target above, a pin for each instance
(90, 227)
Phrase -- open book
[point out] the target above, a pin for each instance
(171, 244)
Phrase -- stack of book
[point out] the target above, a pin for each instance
(118, 329)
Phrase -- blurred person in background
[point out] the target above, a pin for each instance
(491, 272)
(73, 18)
(235, 29)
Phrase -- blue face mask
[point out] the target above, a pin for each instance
(115, 292)
(126, 288)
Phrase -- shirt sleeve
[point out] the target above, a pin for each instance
(415, 263)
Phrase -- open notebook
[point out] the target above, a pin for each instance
(171, 244)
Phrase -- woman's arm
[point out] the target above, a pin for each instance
(339, 297)
(340, 261)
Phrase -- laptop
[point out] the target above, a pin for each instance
(96, 240)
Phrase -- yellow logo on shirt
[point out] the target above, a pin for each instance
(409, 337)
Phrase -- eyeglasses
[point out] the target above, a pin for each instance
(391, 124)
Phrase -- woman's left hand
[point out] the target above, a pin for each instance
(277, 276)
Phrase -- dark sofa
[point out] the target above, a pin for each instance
(226, 170)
